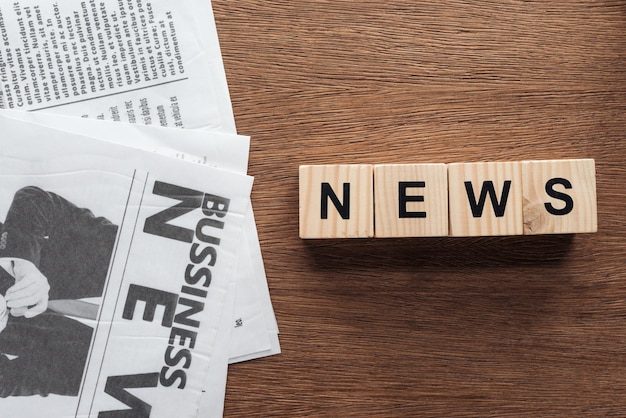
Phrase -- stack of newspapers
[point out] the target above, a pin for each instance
(131, 274)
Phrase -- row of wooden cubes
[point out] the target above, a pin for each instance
(460, 199)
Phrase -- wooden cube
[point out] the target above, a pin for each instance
(336, 201)
(410, 200)
(559, 196)
(485, 199)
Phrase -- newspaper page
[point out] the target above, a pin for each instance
(159, 279)
(152, 63)
(219, 150)
(136, 61)
(255, 332)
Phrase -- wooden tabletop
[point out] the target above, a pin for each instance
(500, 326)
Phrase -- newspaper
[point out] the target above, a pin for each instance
(146, 63)
(221, 153)
(160, 279)
(152, 63)
(255, 331)
(124, 60)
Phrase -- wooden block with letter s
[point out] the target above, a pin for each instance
(559, 196)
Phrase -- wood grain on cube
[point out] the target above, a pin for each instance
(559, 196)
(411, 200)
(485, 198)
(336, 201)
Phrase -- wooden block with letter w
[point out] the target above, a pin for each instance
(485, 199)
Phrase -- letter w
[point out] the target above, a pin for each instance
(116, 387)
(498, 207)
(157, 224)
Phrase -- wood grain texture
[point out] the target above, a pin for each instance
(570, 206)
(420, 191)
(345, 209)
(485, 199)
(505, 326)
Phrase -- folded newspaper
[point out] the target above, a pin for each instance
(148, 242)
(128, 247)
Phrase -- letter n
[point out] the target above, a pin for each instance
(343, 209)
(116, 387)
(189, 200)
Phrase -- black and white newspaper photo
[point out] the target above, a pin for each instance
(55, 257)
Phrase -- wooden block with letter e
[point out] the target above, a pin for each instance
(336, 201)
(559, 196)
(485, 198)
(410, 200)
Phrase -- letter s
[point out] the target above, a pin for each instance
(569, 202)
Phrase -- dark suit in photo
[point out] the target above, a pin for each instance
(72, 248)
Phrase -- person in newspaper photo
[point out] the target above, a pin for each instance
(52, 254)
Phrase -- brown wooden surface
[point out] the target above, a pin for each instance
(510, 326)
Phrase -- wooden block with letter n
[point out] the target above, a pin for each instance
(410, 200)
(485, 199)
(559, 196)
(336, 201)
